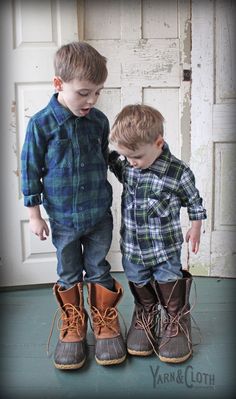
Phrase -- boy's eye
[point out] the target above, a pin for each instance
(83, 94)
(86, 94)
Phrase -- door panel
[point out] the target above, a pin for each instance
(32, 32)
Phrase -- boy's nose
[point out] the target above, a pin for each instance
(92, 99)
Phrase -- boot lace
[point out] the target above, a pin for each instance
(71, 319)
(147, 320)
(175, 323)
(104, 319)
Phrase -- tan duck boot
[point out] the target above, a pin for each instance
(70, 352)
(175, 342)
(141, 337)
(109, 348)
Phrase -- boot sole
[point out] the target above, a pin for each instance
(139, 353)
(175, 359)
(69, 366)
(110, 362)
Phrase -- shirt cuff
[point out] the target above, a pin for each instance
(32, 200)
(197, 215)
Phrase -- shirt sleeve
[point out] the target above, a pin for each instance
(32, 165)
(190, 196)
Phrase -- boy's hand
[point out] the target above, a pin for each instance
(39, 227)
(193, 235)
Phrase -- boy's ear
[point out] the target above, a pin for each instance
(57, 82)
(160, 142)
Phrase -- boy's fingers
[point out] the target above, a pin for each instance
(42, 236)
(195, 247)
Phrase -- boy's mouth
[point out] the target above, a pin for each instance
(84, 111)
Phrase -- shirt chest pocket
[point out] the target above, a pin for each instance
(59, 154)
(158, 205)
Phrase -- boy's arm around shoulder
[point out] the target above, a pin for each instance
(111, 157)
(105, 143)
(116, 165)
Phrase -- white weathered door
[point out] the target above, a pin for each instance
(214, 130)
(31, 31)
(223, 251)
(147, 44)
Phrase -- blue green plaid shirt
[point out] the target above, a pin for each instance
(151, 202)
(64, 165)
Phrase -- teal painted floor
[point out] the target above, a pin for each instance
(26, 371)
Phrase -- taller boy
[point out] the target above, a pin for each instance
(64, 167)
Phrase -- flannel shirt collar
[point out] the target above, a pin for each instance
(161, 164)
(61, 113)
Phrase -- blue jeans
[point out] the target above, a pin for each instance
(81, 256)
(170, 270)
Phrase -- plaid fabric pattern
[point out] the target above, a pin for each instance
(151, 202)
(64, 165)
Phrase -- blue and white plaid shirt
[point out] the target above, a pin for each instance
(64, 165)
(151, 202)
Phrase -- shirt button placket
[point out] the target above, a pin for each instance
(78, 164)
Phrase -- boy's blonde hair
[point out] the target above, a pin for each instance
(136, 124)
(79, 60)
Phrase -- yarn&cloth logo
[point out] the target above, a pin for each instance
(187, 376)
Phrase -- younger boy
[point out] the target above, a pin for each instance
(155, 187)
(64, 167)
